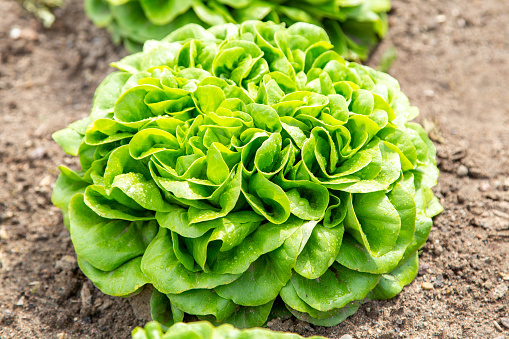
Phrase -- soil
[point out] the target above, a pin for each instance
(453, 63)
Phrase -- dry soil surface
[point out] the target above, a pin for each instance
(453, 62)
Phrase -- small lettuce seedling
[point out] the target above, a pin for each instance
(232, 166)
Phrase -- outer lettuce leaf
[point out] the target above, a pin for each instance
(163, 311)
(354, 256)
(391, 284)
(320, 251)
(122, 281)
(299, 308)
(335, 289)
(107, 243)
(203, 302)
(250, 316)
(70, 138)
(264, 279)
(68, 184)
(374, 222)
(168, 275)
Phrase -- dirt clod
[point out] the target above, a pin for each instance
(499, 291)
(86, 300)
(66, 263)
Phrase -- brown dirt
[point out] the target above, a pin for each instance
(453, 62)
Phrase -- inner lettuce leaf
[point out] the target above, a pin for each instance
(242, 166)
(353, 27)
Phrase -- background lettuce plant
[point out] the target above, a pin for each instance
(354, 26)
(204, 330)
(232, 166)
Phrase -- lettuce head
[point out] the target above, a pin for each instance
(232, 166)
(354, 26)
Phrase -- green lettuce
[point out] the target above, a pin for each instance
(205, 330)
(354, 26)
(237, 166)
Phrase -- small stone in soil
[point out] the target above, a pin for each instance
(346, 336)
(462, 171)
(484, 187)
(37, 153)
(429, 92)
(497, 326)
(4, 235)
(505, 322)
(427, 285)
(441, 18)
(15, 33)
(20, 302)
(46, 181)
